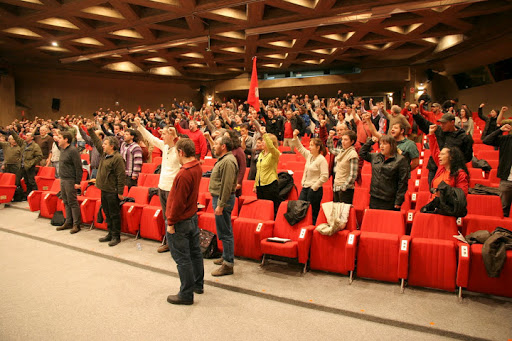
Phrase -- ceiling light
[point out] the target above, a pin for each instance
(58, 22)
(54, 43)
(22, 32)
(123, 66)
(165, 71)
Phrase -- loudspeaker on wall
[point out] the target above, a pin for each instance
(56, 104)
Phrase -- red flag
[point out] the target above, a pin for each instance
(139, 110)
(254, 95)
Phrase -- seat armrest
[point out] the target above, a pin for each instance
(463, 266)
(351, 248)
(264, 230)
(304, 243)
(403, 257)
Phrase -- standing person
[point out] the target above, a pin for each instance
(490, 120)
(223, 181)
(465, 122)
(31, 156)
(447, 136)
(70, 168)
(504, 143)
(12, 156)
(45, 142)
(346, 169)
(55, 153)
(94, 154)
(195, 135)
(169, 168)
(110, 180)
(132, 155)
(316, 172)
(182, 230)
(266, 184)
(239, 155)
(390, 173)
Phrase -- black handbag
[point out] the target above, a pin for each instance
(208, 244)
(58, 219)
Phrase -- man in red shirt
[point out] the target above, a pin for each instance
(196, 135)
(182, 230)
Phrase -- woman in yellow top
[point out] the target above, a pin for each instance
(316, 172)
(265, 184)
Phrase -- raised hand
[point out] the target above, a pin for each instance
(432, 129)
(296, 133)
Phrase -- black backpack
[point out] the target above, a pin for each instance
(58, 219)
(451, 202)
(285, 184)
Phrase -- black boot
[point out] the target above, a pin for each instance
(107, 238)
(115, 240)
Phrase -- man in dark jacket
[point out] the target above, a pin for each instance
(490, 121)
(504, 143)
(274, 124)
(70, 170)
(447, 136)
(12, 156)
(31, 156)
(110, 180)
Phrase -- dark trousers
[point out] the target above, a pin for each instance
(130, 182)
(30, 178)
(314, 197)
(269, 192)
(431, 175)
(68, 193)
(112, 210)
(506, 196)
(163, 196)
(379, 204)
(13, 169)
(346, 196)
(186, 252)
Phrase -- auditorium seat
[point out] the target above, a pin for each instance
(328, 253)
(132, 211)
(475, 277)
(296, 166)
(493, 178)
(254, 223)
(96, 224)
(488, 205)
(432, 252)
(377, 246)
(300, 236)
(206, 220)
(88, 203)
(49, 200)
(151, 180)
(418, 200)
(35, 197)
(247, 191)
(7, 187)
(157, 160)
(477, 176)
(148, 168)
(204, 196)
(489, 154)
(327, 191)
(361, 202)
(152, 225)
(45, 177)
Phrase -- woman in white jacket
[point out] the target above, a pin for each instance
(347, 165)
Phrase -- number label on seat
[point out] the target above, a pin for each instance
(84, 202)
(46, 196)
(302, 233)
(130, 209)
(419, 171)
(464, 251)
(350, 239)
(3, 197)
(258, 228)
(404, 245)
(421, 161)
(157, 213)
(409, 216)
(413, 197)
(459, 221)
(417, 183)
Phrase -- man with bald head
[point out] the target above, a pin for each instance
(31, 156)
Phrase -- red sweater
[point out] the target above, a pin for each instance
(182, 202)
(197, 137)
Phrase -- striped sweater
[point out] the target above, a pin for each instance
(132, 155)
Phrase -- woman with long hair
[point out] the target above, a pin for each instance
(451, 167)
(265, 184)
(347, 166)
(316, 172)
(390, 173)
(465, 122)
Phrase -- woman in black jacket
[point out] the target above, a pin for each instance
(390, 174)
(490, 120)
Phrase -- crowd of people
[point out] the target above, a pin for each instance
(342, 131)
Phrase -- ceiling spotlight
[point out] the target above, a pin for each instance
(54, 43)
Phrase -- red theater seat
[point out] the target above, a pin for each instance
(432, 252)
(88, 203)
(328, 253)
(377, 245)
(247, 191)
(151, 180)
(157, 160)
(148, 168)
(35, 197)
(7, 187)
(49, 200)
(44, 178)
(131, 212)
(152, 224)
(300, 235)
(204, 196)
(254, 223)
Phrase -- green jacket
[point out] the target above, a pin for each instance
(111, 176)
(12, 155)
(224, 178)
(31, 153)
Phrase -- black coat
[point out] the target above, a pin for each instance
(389, 177)
(504, 142)
(491, 123)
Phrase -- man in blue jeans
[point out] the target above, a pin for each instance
(223, 181)
(182, 230)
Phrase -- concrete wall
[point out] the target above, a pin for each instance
(82, 94)
(493, 95)
(7, 100)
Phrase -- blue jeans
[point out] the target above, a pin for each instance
(225, 230)
(186, 252)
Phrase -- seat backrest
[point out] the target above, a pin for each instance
(434, 226)
(155, 201)
(284, 230)
(55, 186)
(383, 221)
(247, 188)
(424, 185)
(148, 168)
(47, 172)
(93, 192)
(422, 198)
(351, 223)
(140, 194)
(489, 205)
(258, 209)
(203, 185)
(8, 179)
(152, 180)
(361, 197)
(475, 174)
(157, 160)
(295, 165)
(489, 154)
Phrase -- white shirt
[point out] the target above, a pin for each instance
(170, 161)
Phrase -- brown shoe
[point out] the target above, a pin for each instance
(163, 248)
(66, 226)
(75, 229)
(218, 261)
(223, 270)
